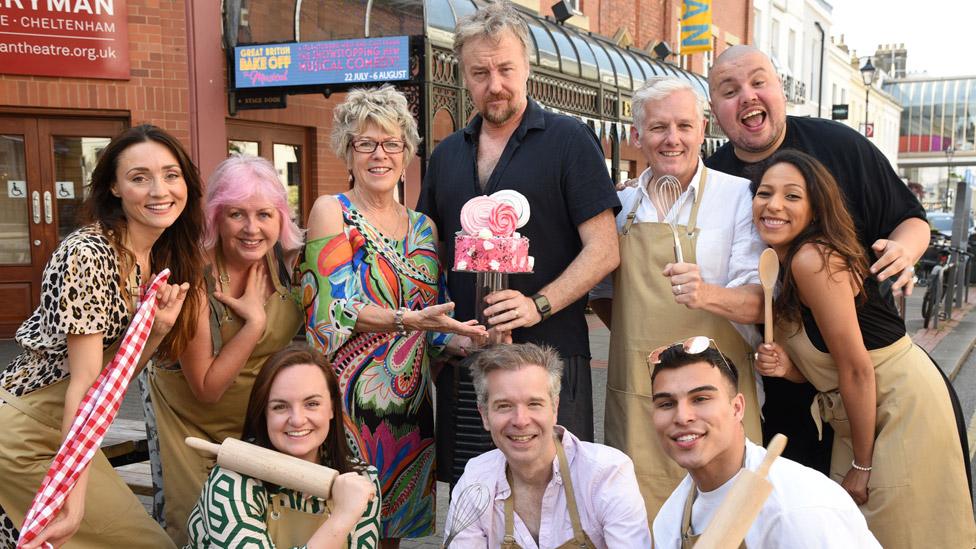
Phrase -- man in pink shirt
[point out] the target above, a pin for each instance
(547, 488)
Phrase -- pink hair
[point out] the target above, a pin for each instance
(240, 178)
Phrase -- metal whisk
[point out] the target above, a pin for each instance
(667, 190)
(471, 504)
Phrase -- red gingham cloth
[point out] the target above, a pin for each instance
(92, 420)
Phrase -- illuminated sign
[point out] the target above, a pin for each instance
(74, 38)
(312, 63)
(696, 26)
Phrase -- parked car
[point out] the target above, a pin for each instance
(941, 222)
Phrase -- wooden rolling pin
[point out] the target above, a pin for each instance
(740, 508)
(269, 465)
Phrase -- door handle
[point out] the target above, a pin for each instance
(48, 208)
(36, 206)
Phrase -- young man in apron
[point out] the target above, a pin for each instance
(546, 488)
(656, 298)
(698, 413)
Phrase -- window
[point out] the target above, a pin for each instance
(791, 52)
(774, 38)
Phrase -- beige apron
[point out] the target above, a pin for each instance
(30, 437)
(645, 316)
(918, 495)
(580, 538)
(289, 527)
(179, 414)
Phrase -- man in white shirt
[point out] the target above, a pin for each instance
(654, 298)
(545, 486)
(697, 416)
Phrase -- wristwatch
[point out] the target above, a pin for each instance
(542, 305)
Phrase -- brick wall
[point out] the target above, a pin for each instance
(157, 91)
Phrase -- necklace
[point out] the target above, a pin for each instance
(368, 209)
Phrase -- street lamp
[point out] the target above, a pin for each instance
(867, 75)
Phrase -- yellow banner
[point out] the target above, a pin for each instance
(696, 26)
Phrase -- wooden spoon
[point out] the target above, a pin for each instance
(768, 273)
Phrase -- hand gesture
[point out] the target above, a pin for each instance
(64, 525)
(250, 306)
(436, 318)
(856, 484)
(510, 309)
(351, 493)
(625, 184)
(169, 303)
(687, 285)
(894, 261)
(772, 360)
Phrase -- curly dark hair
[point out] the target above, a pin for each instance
(831, 229)
(177, 249)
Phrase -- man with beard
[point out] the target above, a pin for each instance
(557, 163)
(747, 99)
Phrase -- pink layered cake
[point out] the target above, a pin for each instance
(488, 241)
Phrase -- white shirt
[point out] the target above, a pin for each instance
(611, 508)
(806, 510)
(727, 247)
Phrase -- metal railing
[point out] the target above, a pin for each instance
(949, 287)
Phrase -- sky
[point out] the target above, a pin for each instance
(939, 34)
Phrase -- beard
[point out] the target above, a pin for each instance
(499, 116)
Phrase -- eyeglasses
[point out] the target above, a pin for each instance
(694, 345)
(393, 146)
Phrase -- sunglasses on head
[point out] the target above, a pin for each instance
(694, 345)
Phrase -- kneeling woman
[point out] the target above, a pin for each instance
(295, 409)
(896, 446)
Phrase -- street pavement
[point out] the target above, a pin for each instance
(950, 346)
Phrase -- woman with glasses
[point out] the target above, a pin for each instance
(896, 448)
(375, 305)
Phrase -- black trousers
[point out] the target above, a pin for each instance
(459, 432)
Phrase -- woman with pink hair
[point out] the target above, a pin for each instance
(251, 243)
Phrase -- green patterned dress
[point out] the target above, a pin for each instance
(384, 377)
(236, 510)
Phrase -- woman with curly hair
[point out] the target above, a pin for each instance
(374, 303)
(897, 450)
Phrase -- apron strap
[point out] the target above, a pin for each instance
(578, 535)
(508, 542)
(692, 219)
(632, 215)
(28, 410)
(688, 539)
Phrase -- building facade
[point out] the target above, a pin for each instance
(937, 132)
(172, 64)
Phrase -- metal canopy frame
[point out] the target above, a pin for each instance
(575, 72)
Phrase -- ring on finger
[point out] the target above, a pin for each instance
(677, 289)
(516, 311)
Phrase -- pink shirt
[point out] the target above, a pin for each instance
(610, 505)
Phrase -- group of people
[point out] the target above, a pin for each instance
(365, 286)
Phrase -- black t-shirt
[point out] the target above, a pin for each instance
(555, 161)
(876, 197)
(880, 326)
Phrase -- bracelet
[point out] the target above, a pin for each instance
(859, 468)
(398, 320)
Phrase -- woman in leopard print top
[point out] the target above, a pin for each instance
(143, 214)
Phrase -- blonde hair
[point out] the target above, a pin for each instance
(489, 22)
(384, 107)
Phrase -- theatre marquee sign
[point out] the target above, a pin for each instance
(73, 38)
